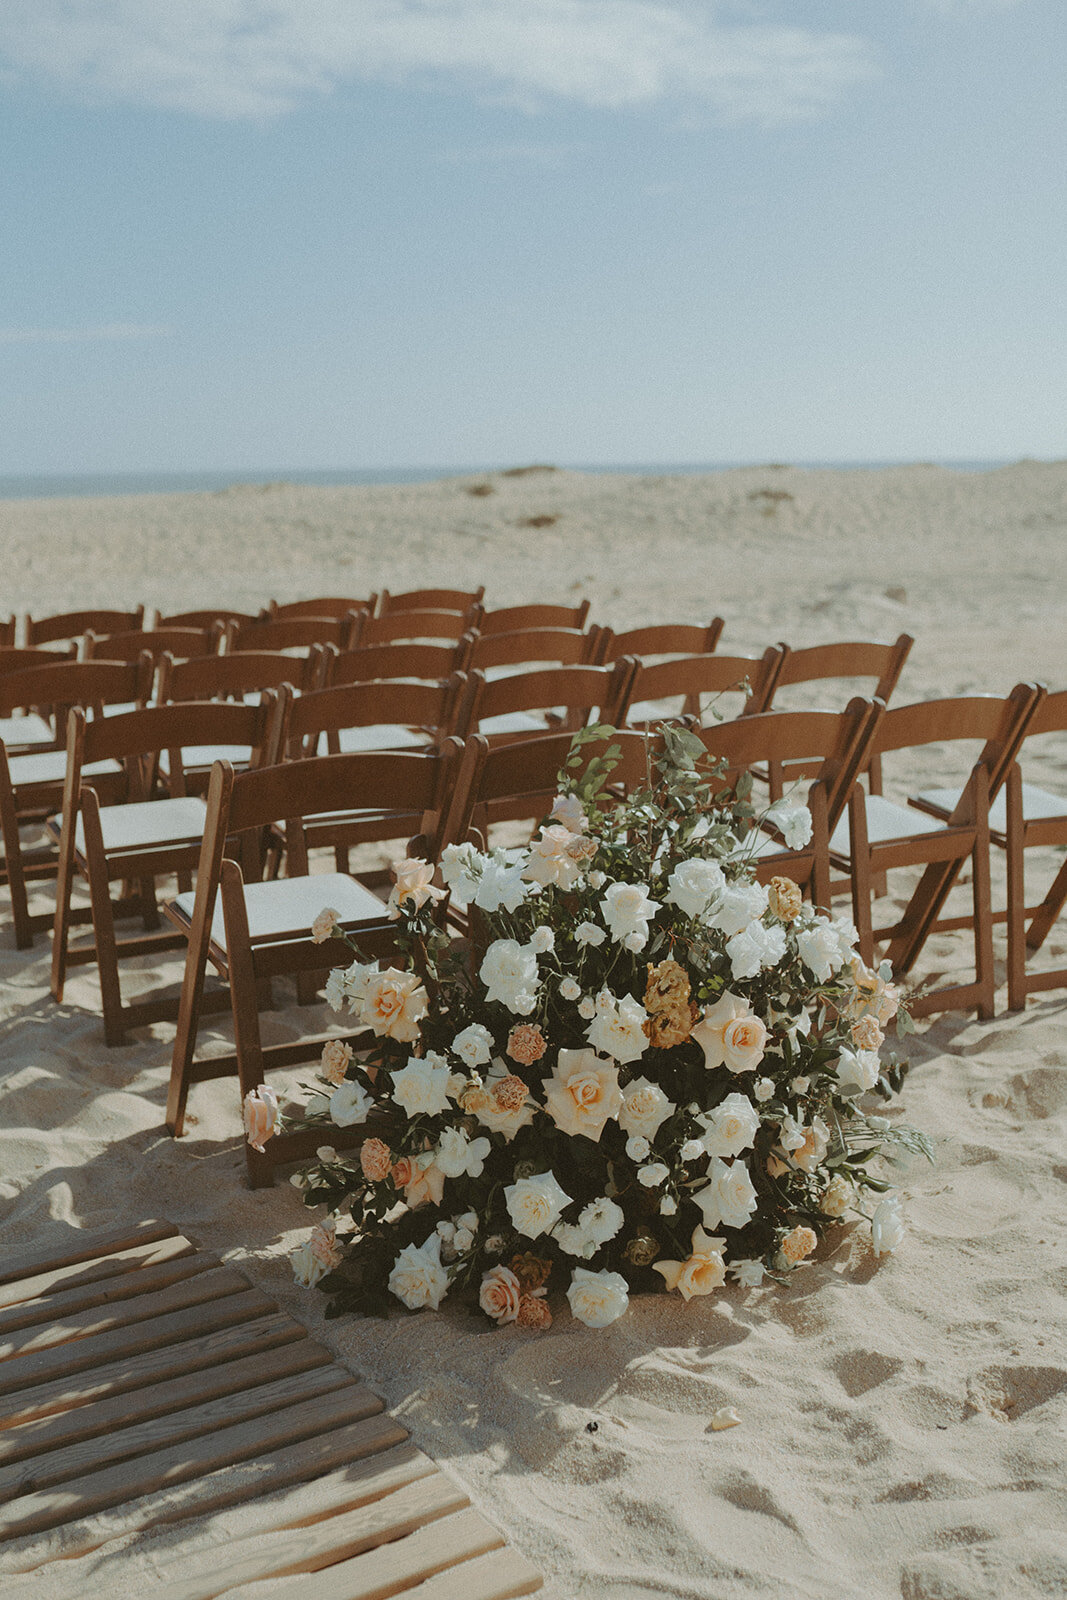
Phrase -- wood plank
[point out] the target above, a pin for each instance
(220, 1342)
(84, 1247)
(46, 1366)
(500, 1575)
(143, 1308)
(392, 1568)
(236, 1484)
(45, 1283)
(42, 1471)
(64, 1303)
(60, 1432)
(97, 1491)
(320, 1544)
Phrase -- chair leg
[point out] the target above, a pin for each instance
(243, 1003)
(1016, 895)
(1047, 912)
(16, 880)
(61, 923)
(107, 955)
(983, 931)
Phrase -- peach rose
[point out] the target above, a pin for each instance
(394, 1003)
(873, 995)
(667, 987)
(867, 1033)
(323, 926)
(797, 1244)
(730, 1035)
(835, 1197)
(534, 1311)
(261, 1115)
(425, 1186)
(414, 884)
(703, 1271)
(375, 1158)
(335, 1058)
(668, 1028)
(510, 1093)
(784, 899)
(475, 1099)
(532, 1271)
(323, 1245)
(583, 1093)
(500, 1295)
(401, 1172)
(526, 1044)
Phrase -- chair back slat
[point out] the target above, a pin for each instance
(425, 663)
(370, 781)
(178, 642)
(72, 624)
(564, 647)
(293, 633)
(846, 659)
(574, 691)
(662, 639)
(60, 685)
(18, 658)
(694, 676)
(410, 626)
(462, 600)
(227, 677)
(1050, 715)
(205, 618)
(324, 606)
(517, 619)
(430, 706)
(170, 727)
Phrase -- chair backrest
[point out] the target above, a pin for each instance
(997, 723)
(55, 688)
(203, 619)
(7, 630)
(72, 624)
(662, 639)
(850, 659)
(691, 677)
(16, 658)
(422, 663)
(293, 633)
(177, 642)
(323, 606)
(231, 677)
(395, 626)
(520, 780)
(563, 647)
(1049, 715)
(137, 738)
(841, 740)
(571, 693)
(326, 712)
(515, 619)
(462, 600)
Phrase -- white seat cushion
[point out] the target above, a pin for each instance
(885, 821)
(121, 708)
(654, 710)
(50, 766)
(205, 755)
(1038, 805)
(382, 736)
(514, 722)
(290, 905)
(20, 731)
(149, 824)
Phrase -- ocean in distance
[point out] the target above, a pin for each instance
(80, 485)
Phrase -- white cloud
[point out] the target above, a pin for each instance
(258, 58)
(106, 330)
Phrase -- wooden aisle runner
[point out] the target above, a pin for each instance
(140, 1373)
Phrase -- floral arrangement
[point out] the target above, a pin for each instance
(640, 1070)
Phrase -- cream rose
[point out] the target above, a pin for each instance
(261, 1115)
(583, 1093)
(334, 1060)
(731, 1036)
(703, 1271)
(728, 1199)
(393, 1003)
(535, 1204)
(413, 887)
(645, 1108)
(597, 1298)
(418, 1279)
(500, 1295)
(731, 1126)
(797, 1244)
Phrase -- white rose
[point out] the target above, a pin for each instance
(509, 972)
(819, 947)
(589, 933)
(597, 1298)
(350, 1104)
(570, 990)
(887, 1226)
(542, 940)
(502, 886)
(587, 1008)
(857, 1071)
(645, 1108)
(729, 1198)
(462, 1239)
(597, 879)
(637, 1147)
(422, 1086)
(534, 1204)
(800, 1085)
(793, 821)
(474, 1045)
(418, 1279)
(764, 1088)
(692, 1150)
(653, 1175)
(627, 910)
(755, 948)
(749, 1274)
(548, 860)
(599, 1221)
(457, 1155)
(731, 1126)
(693, 885)
(461, 868)
(618, 1029)
(737, 906)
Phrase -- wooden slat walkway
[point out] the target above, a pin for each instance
(142, 1382)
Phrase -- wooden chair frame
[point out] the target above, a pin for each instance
(134, 740)
(232, 677)
(577, 690)
(181, 643)
(241, 806)
(424, 663)
(662, 639)
(395, 627)
(525, 648)
(430, 707)
(693, 676)
(205, 618)
(293, 633)
(74, 624)
(520, 619)
(323, 606)
(21, 658)
(462, 600)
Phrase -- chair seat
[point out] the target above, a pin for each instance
(148, 824)
(50, 766)
(120, 709)
(205, 755)
(290, 905)
(19, 731)
(382, 736)
(885, 821)
(1038, 805)
(514, 722)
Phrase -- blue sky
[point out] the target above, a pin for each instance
(258, 234)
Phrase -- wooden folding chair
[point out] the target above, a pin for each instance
(205, 618)
(324, 606)
(519, 619)
(394, 627)
(293, 633)
(840, 740)
(528, 704)
(260, 930)
(33, 762)
(877, 836)
(137, 840)
(18, 658)
(7, 630)
(462, 600)
(692, 679)
(385, 715)
(73, 624)
(419, 663)
(662, 639)
(501, 654)
(180, 643)
(241, 676)
(1023, 816)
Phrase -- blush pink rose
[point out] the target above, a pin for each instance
(261, 1115)
(500, 1295)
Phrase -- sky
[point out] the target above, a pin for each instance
(332, 234)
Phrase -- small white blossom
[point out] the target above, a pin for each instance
(474, 1045)
(653, 1175)
(589, 933)
(749, 1274)
(793, 821)
(638, 1147)
(587, 1008)
(763, 1088)
(668, 1206)
(570, 990)
(597, 879)
(887, 1225)
(542, 940)
(800, 1085)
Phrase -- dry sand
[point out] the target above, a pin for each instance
(902, 1423)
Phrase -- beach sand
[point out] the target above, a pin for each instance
(901, 1431)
